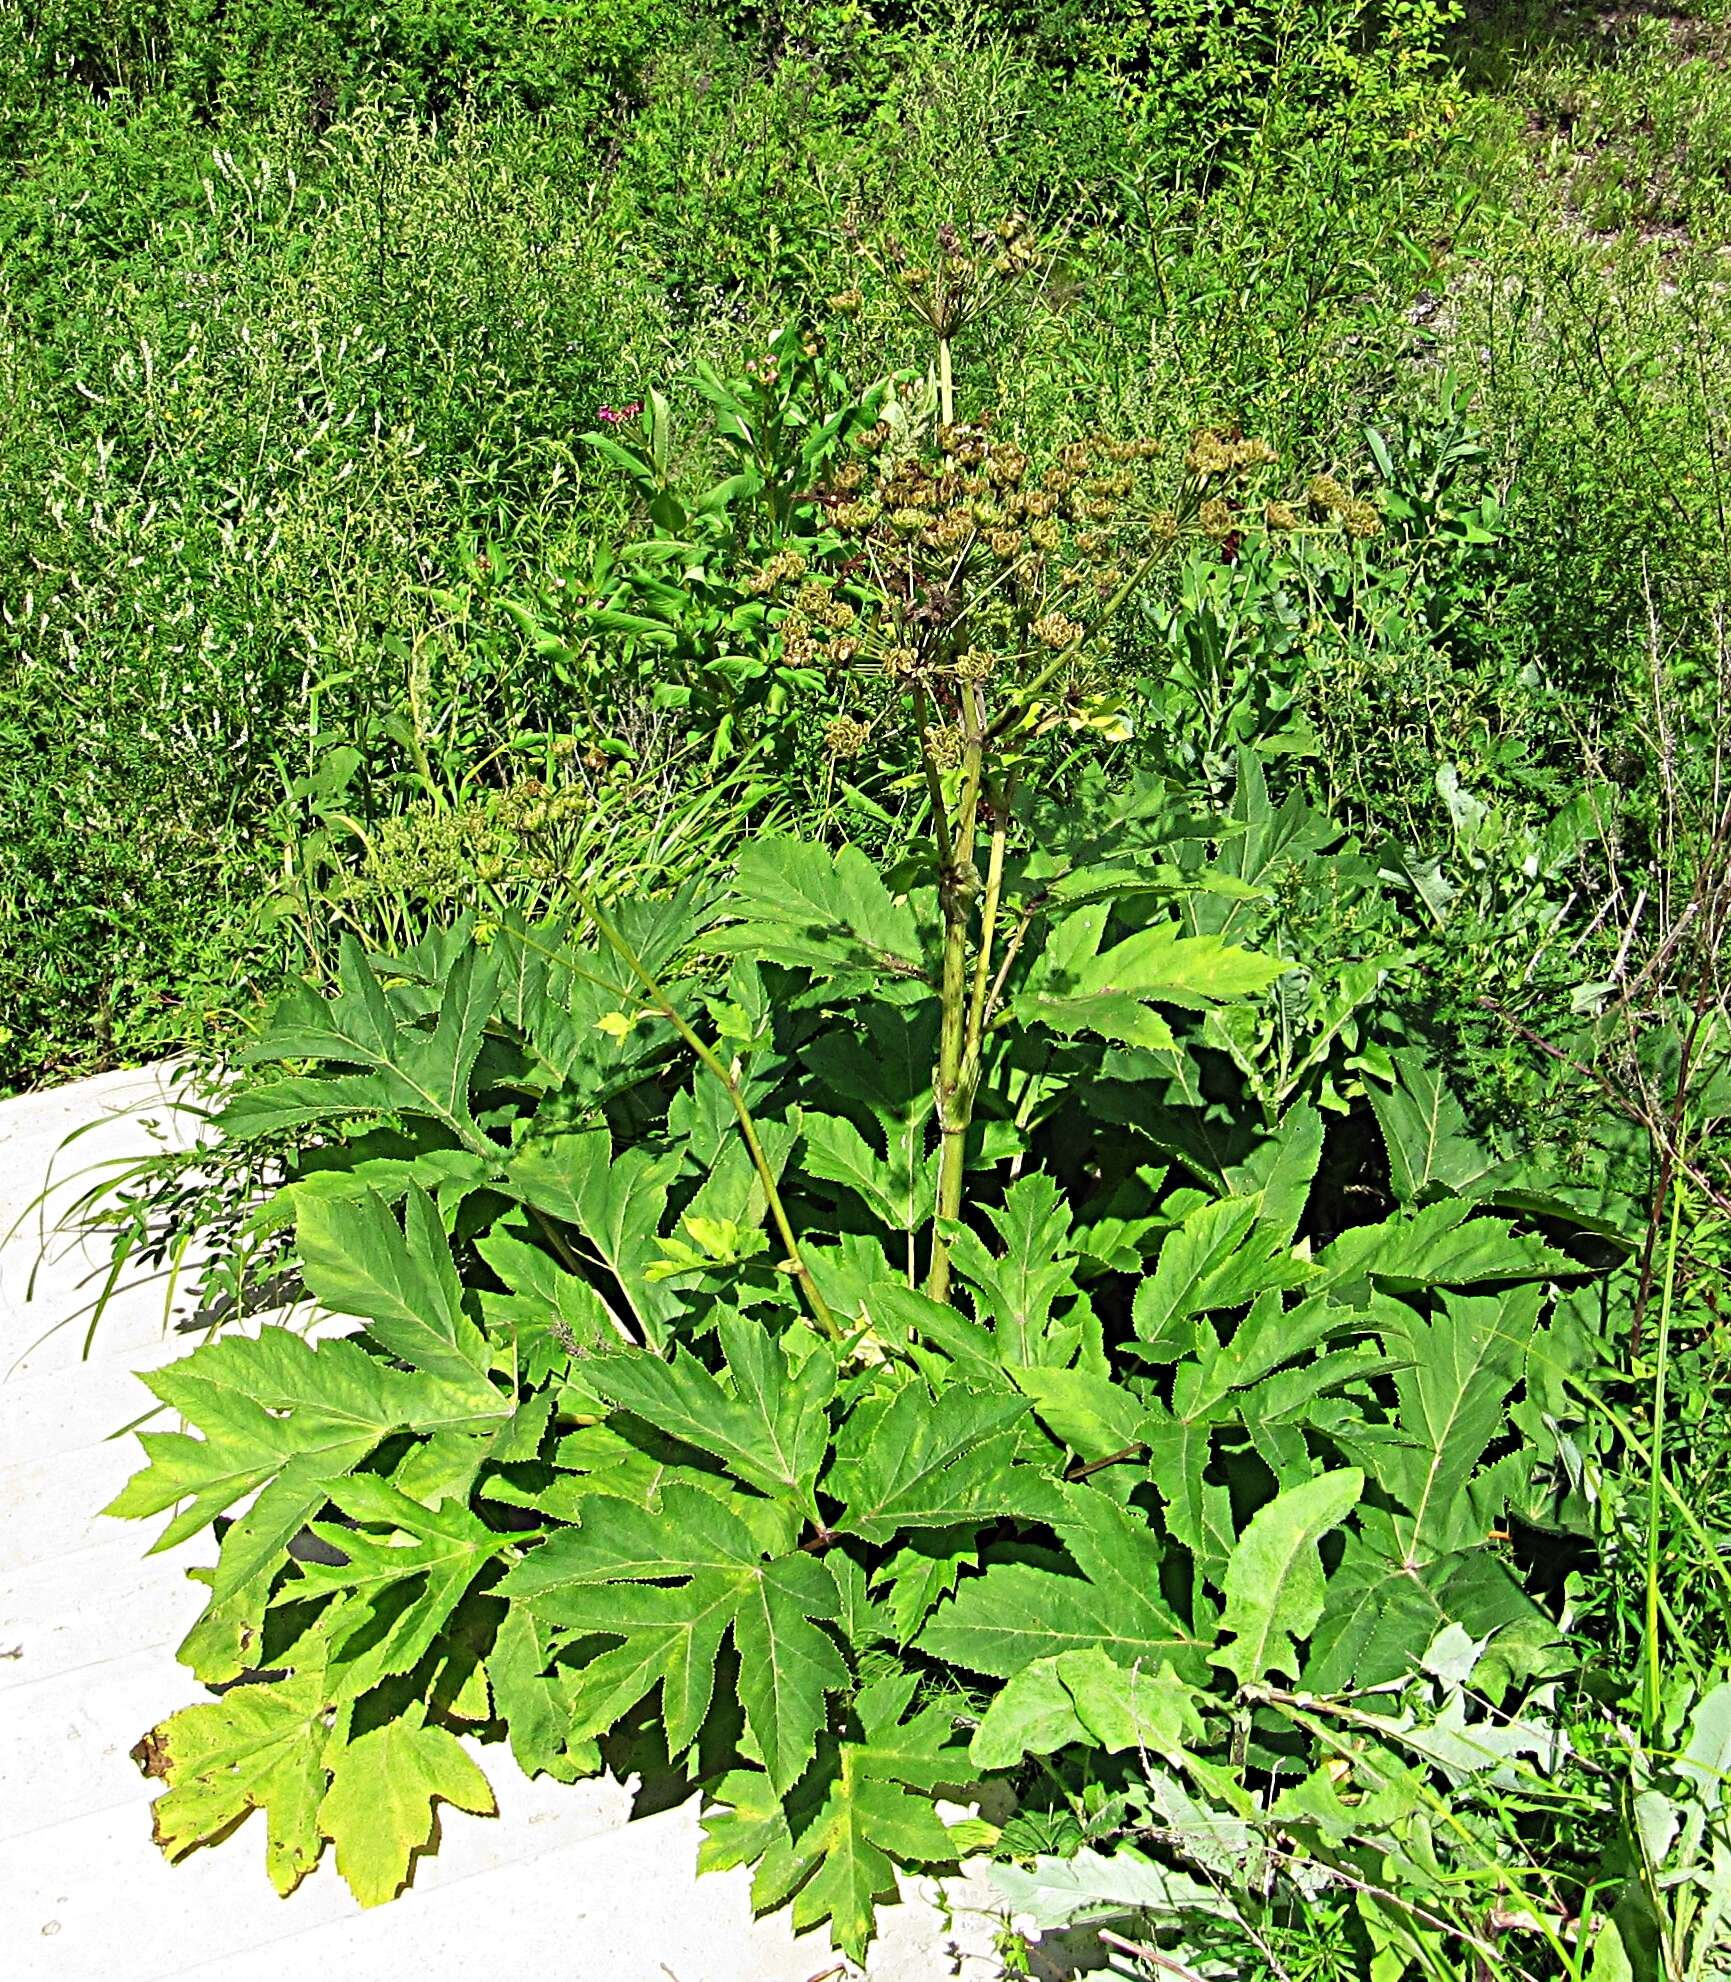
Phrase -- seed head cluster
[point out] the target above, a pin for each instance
(951, 566)
(956, 277)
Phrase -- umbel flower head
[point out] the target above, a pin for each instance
(953, 577)
(952, 279)
(846, 736)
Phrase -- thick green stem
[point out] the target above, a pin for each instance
(957, 887)
(980, 1000)
(953, 1111)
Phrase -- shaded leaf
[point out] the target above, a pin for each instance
(795, 903)
(770, 1428)
(1018, 1612)
(867, 1811)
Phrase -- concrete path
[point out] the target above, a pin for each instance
(560, 1885)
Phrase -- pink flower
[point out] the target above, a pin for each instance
(618, 415)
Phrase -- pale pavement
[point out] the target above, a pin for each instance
(560, 1885)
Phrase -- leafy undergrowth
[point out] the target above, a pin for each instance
(1188, 1511)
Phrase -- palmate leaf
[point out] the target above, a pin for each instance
(402, 1583)
(1425, 1561)
(934, 1462)
(1431, 1149)
(284, 1416)
(411, 1069)
(356, 1259)
(379, 1808)
(1221, 1256)
(403, 1158)
(864, 1811)
(259, 1747)
(1459, 1368)
(534, 1702)
(794, 903)
(1016, 1290)
(558, 995)
(1018, 1612)
(601, 1459)
(590, 1580)
(1262, 840)
(835, 1151)
(769, 1427)
(1441, 1245)
(1280, 1171)
(937, 1338)
(886, 1072)
(617, 1201)
(1198, 1508)
(1075, 987)
(1269, 1336)
(1380, 1613)
(1090, 1414)
(918, 1575)
(545, 1308)
(1274, 1581)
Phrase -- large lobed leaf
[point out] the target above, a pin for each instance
(411, 1069)
(285, 1419)
(769, 1426)
(274, 1747)
(933, 1462)
(670, 1583)
(1018, 1612)
(1077, 987)
(866, 1809)
(1274, 1582)
(795, 903)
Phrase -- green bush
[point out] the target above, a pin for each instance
(433, 54)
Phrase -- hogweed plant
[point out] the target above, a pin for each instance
(963, 604)
(827, 1334)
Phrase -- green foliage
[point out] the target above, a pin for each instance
(598, 1464)
(436, 54)
(994, 1097)
(301, 317)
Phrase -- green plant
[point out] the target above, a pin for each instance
(594, 1400)
(1154, 1156)
(674, 622)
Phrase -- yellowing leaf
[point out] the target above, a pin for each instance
(257, 1748)
(379, 1808)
